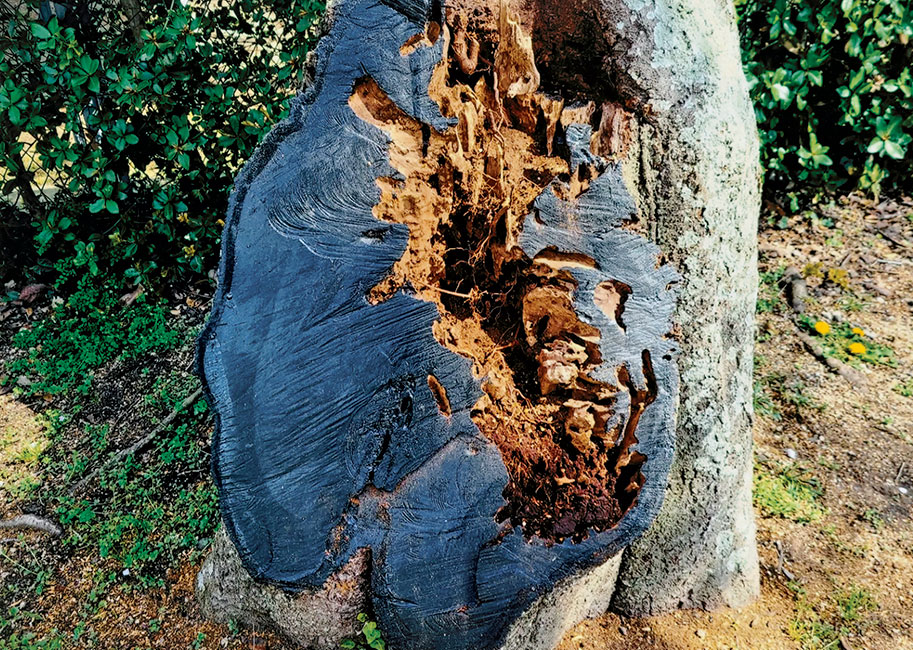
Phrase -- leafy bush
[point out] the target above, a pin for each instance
(833, 90)
(120, 136)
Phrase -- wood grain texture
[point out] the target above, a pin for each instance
(329, 436)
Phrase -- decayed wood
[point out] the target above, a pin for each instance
(424, 260)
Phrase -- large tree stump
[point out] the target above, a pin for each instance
(441, 348)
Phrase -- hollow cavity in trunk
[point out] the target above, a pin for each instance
(464, 194)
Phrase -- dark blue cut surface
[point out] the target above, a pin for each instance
(328, 438)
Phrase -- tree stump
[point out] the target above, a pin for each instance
(440, 357)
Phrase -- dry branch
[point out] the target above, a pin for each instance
(140, 444)
(31, 522)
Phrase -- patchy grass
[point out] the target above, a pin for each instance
(854, 603)
(787, 491)
(764, 404)
(849, 344)
(822, 625)
(22, 441)
(105, 375)
(873, 518)
(770, 293)
(776, 394)
(904, 388)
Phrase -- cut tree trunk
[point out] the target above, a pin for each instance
(441, 357)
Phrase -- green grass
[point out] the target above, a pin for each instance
(774, 393)
(770, 295)
(764, 404)
(905, 388)
(142, 515)
(873, 518)
(821, 626)
(787, 491)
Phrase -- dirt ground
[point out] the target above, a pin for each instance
(834, 469)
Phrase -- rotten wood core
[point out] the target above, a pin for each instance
(464, 194)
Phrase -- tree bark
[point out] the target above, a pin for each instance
(700, 190)
(675, 123)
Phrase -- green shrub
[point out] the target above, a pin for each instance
(119, 139)
(833, 90)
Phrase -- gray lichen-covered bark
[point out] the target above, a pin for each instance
(317, 618)
(699, 177)
(320, 618)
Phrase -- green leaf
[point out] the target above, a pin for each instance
(894, 150)
(43, 237)
(40, 31)
(779, 92)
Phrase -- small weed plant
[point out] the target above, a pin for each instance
(789, 492)
(369, 638)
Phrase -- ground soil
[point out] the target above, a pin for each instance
(855, 440)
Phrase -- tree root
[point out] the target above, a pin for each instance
(32, 522)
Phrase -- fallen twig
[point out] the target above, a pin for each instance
(32, 522)
(796, 294)
(853, 376)
(140, 444)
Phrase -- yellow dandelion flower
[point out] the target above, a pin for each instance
(220, 222)
(189, 251)
(857, 348)
(183, 218)
(822, 328)
(858, 331)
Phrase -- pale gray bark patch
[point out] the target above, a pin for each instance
(699, 190)
(313, 618)
(582, 596)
